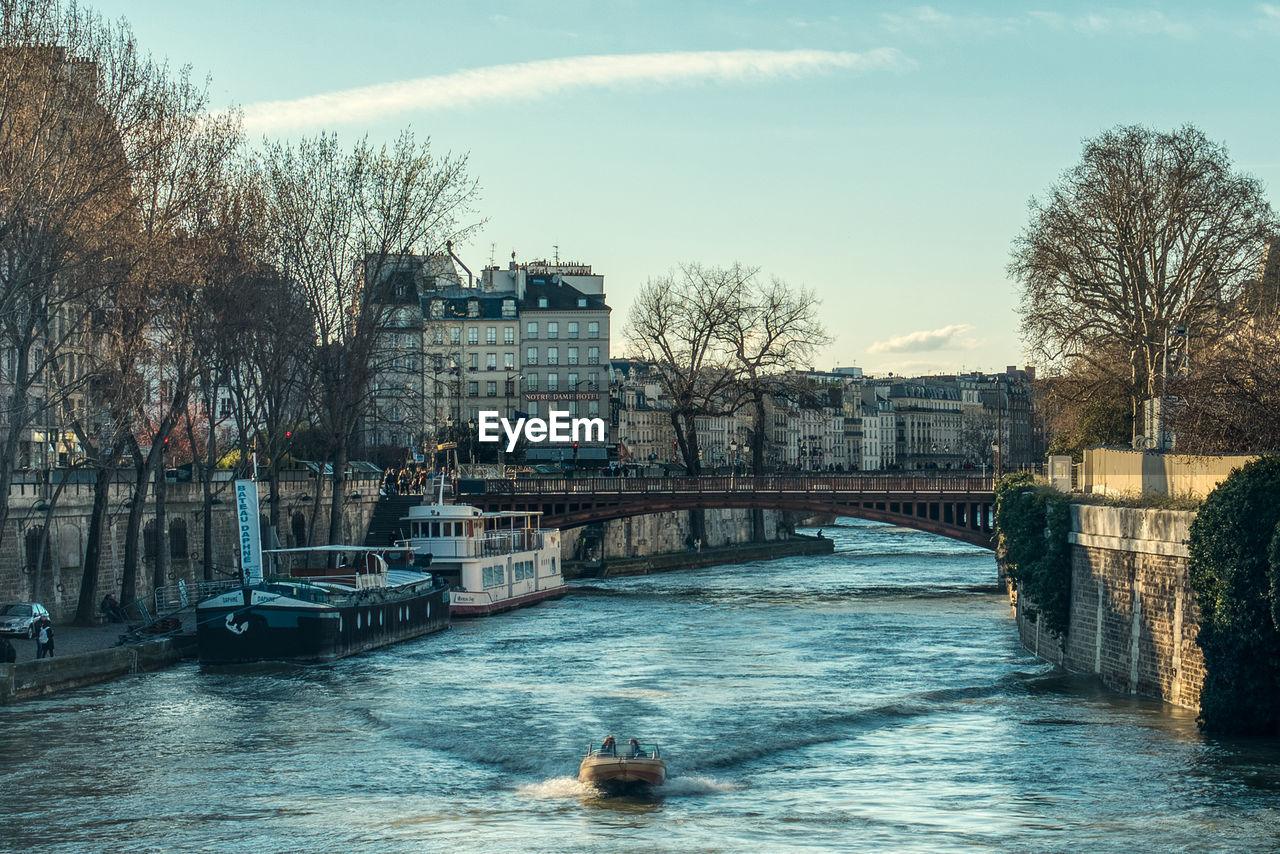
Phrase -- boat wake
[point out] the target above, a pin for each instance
(559, 788)
(569, 788)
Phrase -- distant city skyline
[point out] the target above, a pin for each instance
(881, 155)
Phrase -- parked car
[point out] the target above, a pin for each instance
(19, 619)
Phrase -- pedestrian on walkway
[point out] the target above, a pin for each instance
(44, 639)
(8, 654)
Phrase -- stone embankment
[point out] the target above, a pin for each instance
(1133, 613)
(742, 553)
(29, 679)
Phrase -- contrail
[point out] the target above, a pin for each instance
(539, 79)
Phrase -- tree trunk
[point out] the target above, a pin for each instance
(757, 462)
(160, 572)
(88, 604)
(275, 502)
(206, 484)
(338, 497)
(133, 527)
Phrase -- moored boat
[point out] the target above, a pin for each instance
(611, 768)
(493, 561)
(320, 604)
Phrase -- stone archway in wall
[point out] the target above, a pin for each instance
(150, 543)
(37, 564)
(179, 549)
(298, 529)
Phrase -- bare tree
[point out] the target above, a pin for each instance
(338, 219)
(153, 312)
(1231, 395)
(771, 328)
(677, 323)
(76, 103)
(1150, 231)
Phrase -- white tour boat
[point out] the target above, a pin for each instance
(494, 561)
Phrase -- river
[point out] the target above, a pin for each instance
(874, 699)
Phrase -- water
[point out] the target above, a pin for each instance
(875, 699)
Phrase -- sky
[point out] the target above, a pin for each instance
(880, 155)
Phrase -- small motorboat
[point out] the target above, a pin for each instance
(611, 767)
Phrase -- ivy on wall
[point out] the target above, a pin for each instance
(1032, 524)
(1235, 572)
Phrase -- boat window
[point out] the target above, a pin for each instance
(435, 529)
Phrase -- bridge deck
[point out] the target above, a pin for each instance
(952, 505)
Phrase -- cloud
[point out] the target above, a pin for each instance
(540, 79)
(1142, 23)
(926, 21)
(924, 340)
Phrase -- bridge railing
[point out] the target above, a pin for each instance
(720, 485)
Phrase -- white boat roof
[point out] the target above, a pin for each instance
(304, 549)
(463, 511)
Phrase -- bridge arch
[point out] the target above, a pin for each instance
(958, 507)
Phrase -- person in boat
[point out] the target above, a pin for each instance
(609, 747)
(634, 747)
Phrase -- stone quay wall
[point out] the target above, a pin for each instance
(55, 581)
(1134, 619)
(669, 532)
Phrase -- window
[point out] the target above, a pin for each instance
(531, 383)
(473, 389)
(593, 355)
(475, 361)
(542, 302)
(573, 329)
(491, 335)
(531, 356)
(509, 388)
(573, 355)
(553, 355)
(593, 382)
(508, 308)
(455, 335)
(473, 335)
(509, 361)
(593, 329)
(533, 409)
(573, 409)
(553, 329)
(593, 407)
(491, 388)
(509, 335)
(437, 336)
(573, 382)
(531, 331)
(437, 308)
(491, 361)
(582, 302)
(553, 382)
(473, 308)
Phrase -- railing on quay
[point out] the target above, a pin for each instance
(721, 484)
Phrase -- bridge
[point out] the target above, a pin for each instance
(956, 506)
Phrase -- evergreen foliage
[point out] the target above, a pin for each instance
(1235, 571)
(1032, 524)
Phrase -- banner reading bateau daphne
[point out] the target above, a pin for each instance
(249, 530)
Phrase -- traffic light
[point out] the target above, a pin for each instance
(575, 450)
